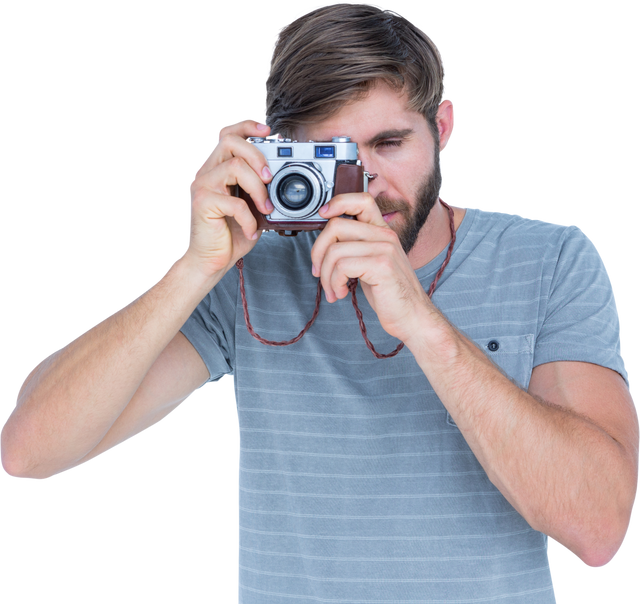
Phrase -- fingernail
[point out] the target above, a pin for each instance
(314, 270)
(266, 173)
(324, 208)
(262, 127)
(269, 205)
(255, 235)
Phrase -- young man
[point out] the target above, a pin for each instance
(432, 475)
(436, 474)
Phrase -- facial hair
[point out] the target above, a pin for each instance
(414, 219)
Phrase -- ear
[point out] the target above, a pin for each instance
(444, 121)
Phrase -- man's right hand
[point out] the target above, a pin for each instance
(223, 229)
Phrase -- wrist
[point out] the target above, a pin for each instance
(433, 340)
(191, 275)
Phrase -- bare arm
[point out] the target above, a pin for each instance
(76, 403)
(565, 453)
(132, 369)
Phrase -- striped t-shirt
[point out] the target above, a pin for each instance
(355, 484)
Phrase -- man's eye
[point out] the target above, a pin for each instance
(390, 143)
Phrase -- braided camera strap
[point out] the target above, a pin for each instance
(352, 284)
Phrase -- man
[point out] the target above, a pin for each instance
(427, 476)
(432, 475)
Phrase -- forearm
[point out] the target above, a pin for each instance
(71, 400)
(567, 476)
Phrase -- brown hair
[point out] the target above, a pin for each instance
(337, 53)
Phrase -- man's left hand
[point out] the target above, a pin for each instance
(368, 249)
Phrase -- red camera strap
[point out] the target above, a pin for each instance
(352, 284)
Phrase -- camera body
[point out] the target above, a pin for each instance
(305, 177)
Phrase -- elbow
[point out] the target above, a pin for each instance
(600, 554)
(608, 531)
(602, 541)
(15, 460)
(9, 463)
(16, 466)
(13, 467)
(20, 470)
(12, 461)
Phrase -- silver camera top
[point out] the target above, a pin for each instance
(339, 148)
(275, 139)
(304, 174)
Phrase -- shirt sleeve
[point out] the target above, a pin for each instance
(211, 327)
(580, 320)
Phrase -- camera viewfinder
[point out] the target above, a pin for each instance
(325, 152)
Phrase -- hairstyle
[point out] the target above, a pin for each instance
(336, 54)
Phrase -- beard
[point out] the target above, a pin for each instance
(414, 218)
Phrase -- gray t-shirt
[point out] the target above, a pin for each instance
(355, 484)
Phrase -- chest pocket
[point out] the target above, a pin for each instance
(513, 354)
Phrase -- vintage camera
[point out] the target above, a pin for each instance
(305, 177)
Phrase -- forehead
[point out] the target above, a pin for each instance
(382, 109)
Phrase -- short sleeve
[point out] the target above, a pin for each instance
(580, 320)
(211, 327)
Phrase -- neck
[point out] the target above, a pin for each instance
(434, 236)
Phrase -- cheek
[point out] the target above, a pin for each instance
(402, 173)
(403, 187)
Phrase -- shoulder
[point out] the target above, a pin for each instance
(511, 233)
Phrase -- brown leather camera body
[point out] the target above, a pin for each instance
(349, 178)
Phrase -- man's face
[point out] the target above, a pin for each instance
(396, 144)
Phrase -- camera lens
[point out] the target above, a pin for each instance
(294, 191)
(297, 190)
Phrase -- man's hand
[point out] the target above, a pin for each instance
(367, 248)
(223, 229)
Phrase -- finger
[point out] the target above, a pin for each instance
(340, 264)
(371, 262)
(233, 172)
(241, 129)
(360, 205)
(209, 206)
(234, 146)
(340, 231)
(246, 129)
